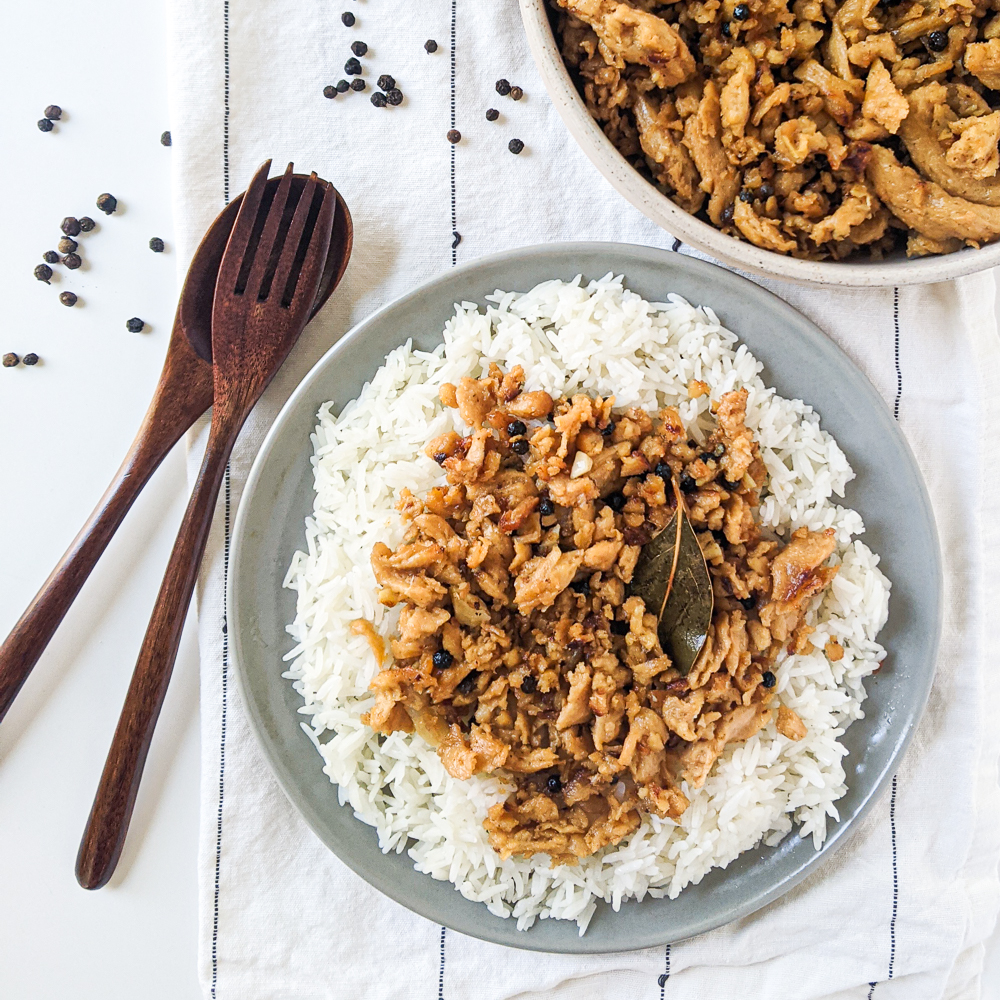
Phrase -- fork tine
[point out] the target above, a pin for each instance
(271, 241)
(292, 259)
(243, 229)
(309, 261)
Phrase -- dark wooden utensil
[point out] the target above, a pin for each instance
(267, 282)
(183, 393)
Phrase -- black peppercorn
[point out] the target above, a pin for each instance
(72, 261)
(343, 86)
(442, 659)
(503, 87)
(529, 685)
(749, 603)
(352, 67)
(30, 359)
(454, 136)
(43, 273)
(727, 215)
(359, 48)
(726, 29)
(50, 257)
(378, 99)
(394, 97)
(67, 245)
(616, 501)
(67, 298)
(44, 125)
(727, 485)
(937, 41)
(688, 483)
(348, 18)
(608, 429)
(516, 93)
(430, 45)
(515, 146)
(440, 457)
(492, 114)
(553, 784)
(619, 628)
(330, 91)
(107, 203)
(765, 191)
(546, 507)
(741, 12)
(134, 325)
(358, 84)
(54, 112)
(87, 224)
(467, 683)
(165, 139)
(516, 428)
(663, 471)
(70, 226)
(156, 245)
(768, 680)
(10, 360)
(706, 456)
(386, 82)
(519, 446)
(746, 195)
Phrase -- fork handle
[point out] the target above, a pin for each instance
(111, 812)
(29, 637)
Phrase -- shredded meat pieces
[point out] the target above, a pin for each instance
(519, 650)
(703, 137)
(660, 138)
(883, 103)
(975, 150)
(982, 60)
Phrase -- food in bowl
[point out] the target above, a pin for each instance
(817, 130)
(481, 641)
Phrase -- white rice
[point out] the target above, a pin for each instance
(603, 339)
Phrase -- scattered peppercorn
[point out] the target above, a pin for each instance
(54, 112)
(72, 261)
(329, 91)
(707, 456)
(10, 360)
(87, 224)
(746, 195)
(937, 41)
(519, 446)
(503, 87)
(107, 203)
(727, 485)
(768, 679)
(516, 428)
(546, 507)
(44, 125)
(342, 86)
(386, 82)
(352, 67)
(616, 501)
(663, 471)
(70, 226)
(553, 784)
(442, 659)
(394, 97)
(749, 603)
(515, 146)
(741, 12)
(359, 48)
(50, 257)
(467, 683)
(30, 359)
(516, 93)
(765, 191)
(440, 457)
(688, 483)
(454, 136)
(430, 45)
(608, 429)
(67, 245)
(727, 215)
(529, 685)
(619, 628)
(134, 325)
(348, 18)
(43, 273)
(492, 114)
(166, 139)
(358, 85)
(156, 245)
(726, 29)
(378, 100)
(67, 298)
(581, 586)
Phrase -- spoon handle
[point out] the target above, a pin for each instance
(111, 812)
(162, 427)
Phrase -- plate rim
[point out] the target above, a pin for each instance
(285, 778)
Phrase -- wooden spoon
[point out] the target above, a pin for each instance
(267, 282)
(182, 395)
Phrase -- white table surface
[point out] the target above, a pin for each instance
(64, 427)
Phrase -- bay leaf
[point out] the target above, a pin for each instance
(672, 578)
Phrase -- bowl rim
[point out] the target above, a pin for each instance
(654, 204)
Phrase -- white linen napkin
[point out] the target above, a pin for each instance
(902, 911)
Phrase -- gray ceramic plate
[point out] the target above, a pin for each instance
(800, 362)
